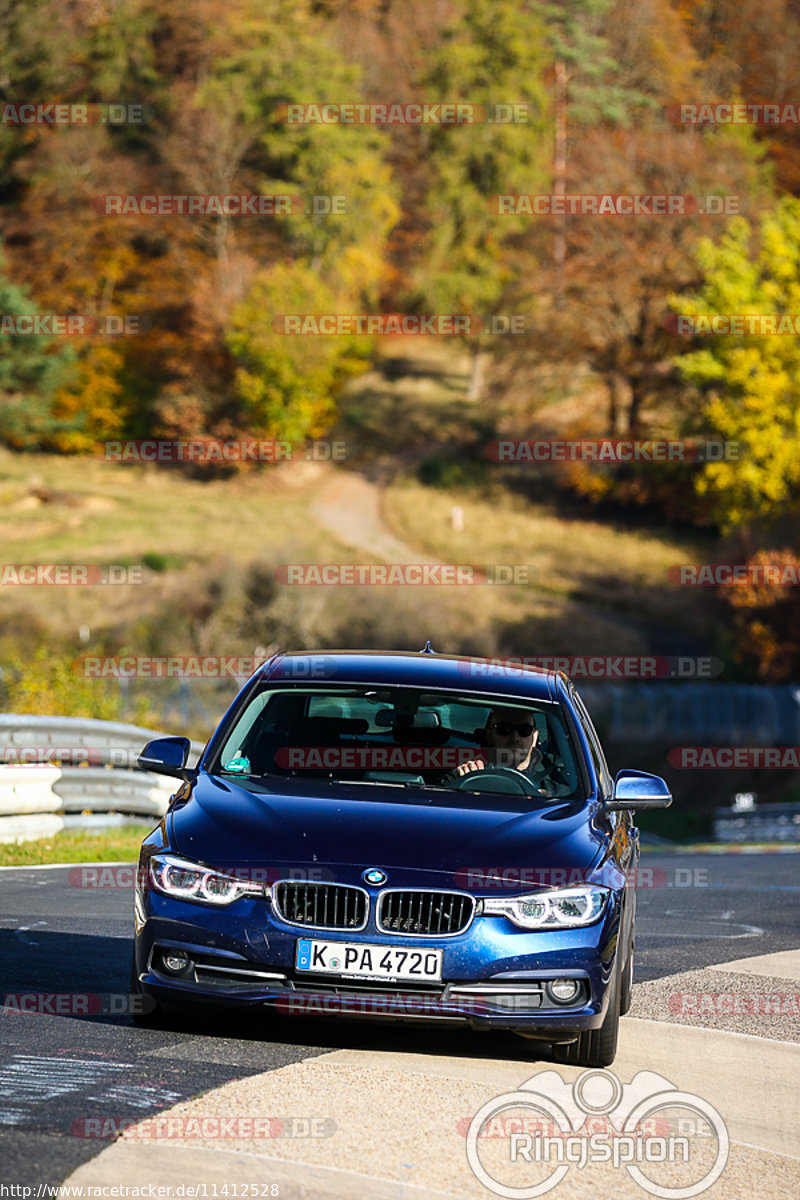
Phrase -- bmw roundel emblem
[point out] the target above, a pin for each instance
(374, 875)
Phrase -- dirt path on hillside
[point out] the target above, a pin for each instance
(350, 507)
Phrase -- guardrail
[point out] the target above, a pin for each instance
(765, 823)
(729, 714)
(63, 772)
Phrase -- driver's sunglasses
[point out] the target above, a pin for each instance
(506, 730)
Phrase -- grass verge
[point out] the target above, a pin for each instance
(117, 845)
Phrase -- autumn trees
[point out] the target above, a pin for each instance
(591, 84)
(214, 78)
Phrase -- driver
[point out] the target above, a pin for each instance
(510, 738)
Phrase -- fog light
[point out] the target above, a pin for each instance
(563, 991)
(174, 961)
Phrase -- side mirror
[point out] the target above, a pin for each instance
(167, 756)
(637, 789)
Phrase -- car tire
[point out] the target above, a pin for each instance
(626, 985)
(595, 1047)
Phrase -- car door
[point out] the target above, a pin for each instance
(624, 849)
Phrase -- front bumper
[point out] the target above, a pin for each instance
(494, 975)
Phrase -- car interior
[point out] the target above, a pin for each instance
(280, 719)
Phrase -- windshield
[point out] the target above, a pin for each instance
(406, 737)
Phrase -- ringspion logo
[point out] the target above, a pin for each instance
(648, 1123)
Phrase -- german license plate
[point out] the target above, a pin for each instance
(357, 960)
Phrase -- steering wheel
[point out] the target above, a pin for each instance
(523, 784)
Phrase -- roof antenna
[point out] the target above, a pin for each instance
(428, 649)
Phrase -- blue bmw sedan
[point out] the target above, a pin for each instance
(398, 836)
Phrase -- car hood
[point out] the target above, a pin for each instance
(336, 831)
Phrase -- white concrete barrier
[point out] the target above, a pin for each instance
(86, 768)
(27, 829)
(107, 789)
(28, 790)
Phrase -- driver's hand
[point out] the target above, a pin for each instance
(467, 767)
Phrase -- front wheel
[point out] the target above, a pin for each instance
(595, 1047)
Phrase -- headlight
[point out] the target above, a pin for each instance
(565, 908)
(184, 880)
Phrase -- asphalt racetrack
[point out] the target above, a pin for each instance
(64, 1073)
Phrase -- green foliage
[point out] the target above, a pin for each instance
(154, 560)
(51, 682)
(750, 384)
(285, 382)
(277, 54)
(31, 368)
(492, 54)
(573, 34)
